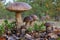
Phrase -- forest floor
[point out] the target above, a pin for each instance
(55, 23)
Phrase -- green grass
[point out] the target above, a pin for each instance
(58, 38)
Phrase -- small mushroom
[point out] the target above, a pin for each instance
(27, 20)
(35, 18)
(47, 24)
(49, 27)
(30, 19)
(18, 7)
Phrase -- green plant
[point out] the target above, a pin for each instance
(30, 29)
(58, 38)
(9, 25)
(36, 27)
(42, 27)
(1, 30)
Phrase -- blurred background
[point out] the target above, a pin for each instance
(42, 8)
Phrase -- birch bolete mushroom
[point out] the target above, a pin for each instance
(18, 7)
(49, 27)
(27, 20)
(35, 18)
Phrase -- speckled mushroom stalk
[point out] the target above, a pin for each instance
(18, 18)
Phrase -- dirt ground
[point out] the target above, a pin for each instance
(2, 20)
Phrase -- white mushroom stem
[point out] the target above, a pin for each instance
(18, 19)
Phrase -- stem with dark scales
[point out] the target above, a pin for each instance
(31, 22)
(18, 19)
(26, 23)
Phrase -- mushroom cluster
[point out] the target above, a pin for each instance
(18, 7)
(30, 19)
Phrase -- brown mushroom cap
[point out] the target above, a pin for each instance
(34, 17)
(47, 24)
(18, 6)
(28, 19)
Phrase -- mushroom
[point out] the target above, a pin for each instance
(47, 24)
(18, 7)
(27, 20)
(49, 27)
(30, 19)
(35, 18)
